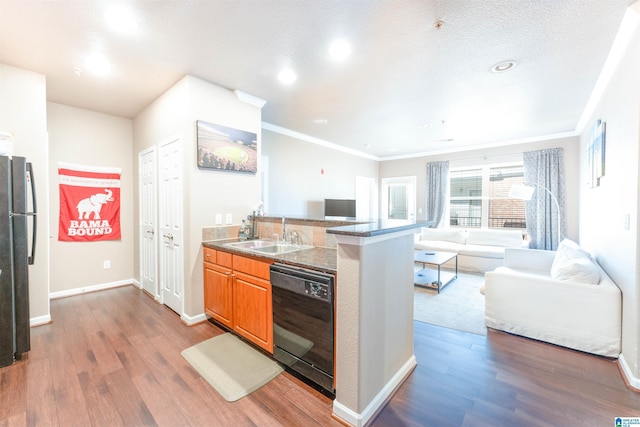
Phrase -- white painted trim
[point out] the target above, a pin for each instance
(249, 99)
(626, 370)
(359, 420)
(304, 137)
(38, 321)
(347, 239)
(480, 146)
(620, 45)
(92, 288)
(192, 320)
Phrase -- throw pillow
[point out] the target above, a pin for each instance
(574, 264)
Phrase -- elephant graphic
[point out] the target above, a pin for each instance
(93, 204)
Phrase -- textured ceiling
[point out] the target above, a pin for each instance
(403, 72)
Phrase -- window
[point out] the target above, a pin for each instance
(478, 197)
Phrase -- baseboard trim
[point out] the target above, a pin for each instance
(193, 320)
(344, 414)
(93, 288)
(628, 377)
(40, 320)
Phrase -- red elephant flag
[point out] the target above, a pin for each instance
(89, 203)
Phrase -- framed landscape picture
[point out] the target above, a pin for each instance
(226, 149)
(596, 153)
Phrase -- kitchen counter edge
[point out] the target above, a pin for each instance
(320, 259)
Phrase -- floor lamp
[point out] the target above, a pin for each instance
(525, 192)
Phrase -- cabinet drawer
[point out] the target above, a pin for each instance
(209, 255)
(224, 259)
(252, 266)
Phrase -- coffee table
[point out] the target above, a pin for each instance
(430, 277)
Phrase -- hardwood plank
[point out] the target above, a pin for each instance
(112, 358)
(39, 383)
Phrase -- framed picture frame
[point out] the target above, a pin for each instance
(226, 149)
(596, 153)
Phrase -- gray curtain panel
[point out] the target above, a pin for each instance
(546, 225)
(437, 191)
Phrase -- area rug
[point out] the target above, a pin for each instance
(459, 305)
(232, 367)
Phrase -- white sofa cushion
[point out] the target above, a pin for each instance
(445, 234)
(482, 251)
(573, 264)
(503, 238)
(437, 245)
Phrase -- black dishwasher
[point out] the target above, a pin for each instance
(303, 322)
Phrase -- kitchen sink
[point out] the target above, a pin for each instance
(251, 244)
(268, 246)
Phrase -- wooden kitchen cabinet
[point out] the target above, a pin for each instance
(218, 288)
(237, 294)
(253, 318)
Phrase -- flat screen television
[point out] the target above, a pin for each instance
(342, 208)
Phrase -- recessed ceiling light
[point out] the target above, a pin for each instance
(121, 19)
(339, 49)
(321, 121)
(287, 76)
(425, 125)
(503, 66)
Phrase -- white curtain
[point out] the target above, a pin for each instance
(544, 170)
(437, 192)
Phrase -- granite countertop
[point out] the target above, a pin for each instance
(320, 259)
(377, 228)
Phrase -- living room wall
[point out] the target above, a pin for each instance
(417, 166)
(88, 138)
(609, 212)
(302, 174)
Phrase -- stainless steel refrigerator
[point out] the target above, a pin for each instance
(17, 206)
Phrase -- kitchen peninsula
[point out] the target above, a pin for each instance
(373, 262)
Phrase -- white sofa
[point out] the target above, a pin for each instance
(478, 250)
(575, 305)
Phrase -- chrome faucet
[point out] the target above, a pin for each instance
(295, 238)
(284, 233)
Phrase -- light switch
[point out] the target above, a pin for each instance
(229, 219)
(218, 219)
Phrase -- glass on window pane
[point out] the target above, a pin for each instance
(466, 183)
(398, 204)
(465, 213)
(503, 211)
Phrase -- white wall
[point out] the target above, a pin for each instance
(302, 175)
(603, 209)
(92, 139)
(206, 192)
(418, 166)
(23, 112)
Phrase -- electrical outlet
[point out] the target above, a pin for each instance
(106, 264)
(218, 219)
(229, 219)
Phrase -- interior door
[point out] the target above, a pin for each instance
(147, 170)
(171, 229)
(399, 199)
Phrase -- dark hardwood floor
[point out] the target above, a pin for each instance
(112, 358)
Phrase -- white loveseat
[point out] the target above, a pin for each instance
(478, 250)
(574, 305)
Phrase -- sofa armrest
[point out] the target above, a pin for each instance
(579, 316)
(528, 259)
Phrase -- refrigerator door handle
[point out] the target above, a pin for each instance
(34, 215)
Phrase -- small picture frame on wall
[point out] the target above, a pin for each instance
(226, 149)
(596, 153)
